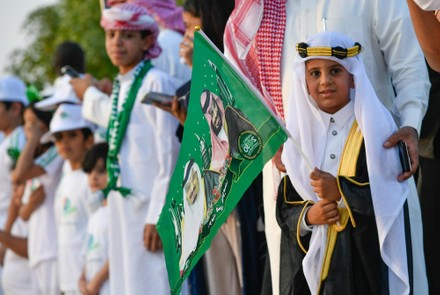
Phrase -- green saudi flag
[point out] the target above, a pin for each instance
(229, 136)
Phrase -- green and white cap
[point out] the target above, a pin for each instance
(67, 117)
(63, 92)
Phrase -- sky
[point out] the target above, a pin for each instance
(12, 16)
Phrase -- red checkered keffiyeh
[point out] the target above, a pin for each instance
(166, 13)
(132, 17)
(256, 49)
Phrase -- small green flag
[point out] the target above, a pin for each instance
(229, 136)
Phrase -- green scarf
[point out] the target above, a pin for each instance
(118, 126)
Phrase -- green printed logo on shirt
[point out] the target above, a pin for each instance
(68, 208)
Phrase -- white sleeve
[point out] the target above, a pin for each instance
(96, 106)
(405, 60)
(303, 227)
(167, 147)
(50, 161)
(428, 5)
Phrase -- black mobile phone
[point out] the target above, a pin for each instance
(158, 97)
(183, 89)
(68, 70)
(182, 94)
(405, 160)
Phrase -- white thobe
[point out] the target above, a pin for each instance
(147, 158)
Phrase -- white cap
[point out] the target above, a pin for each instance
(63, 92)
(13, 89)
(67, 117)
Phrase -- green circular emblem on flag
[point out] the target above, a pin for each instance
(249, 144)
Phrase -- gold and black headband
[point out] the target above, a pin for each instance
(304, 50)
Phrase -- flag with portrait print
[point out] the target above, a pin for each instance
(229, 136)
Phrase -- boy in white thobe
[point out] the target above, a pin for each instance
(143, 150)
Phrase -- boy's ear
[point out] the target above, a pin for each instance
(147, 42)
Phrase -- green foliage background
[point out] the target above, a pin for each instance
(47, 27)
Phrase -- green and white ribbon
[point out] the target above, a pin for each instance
(118, 126)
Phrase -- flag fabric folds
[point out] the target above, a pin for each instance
(229, 136)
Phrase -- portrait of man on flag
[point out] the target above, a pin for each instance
(228, 136)
(194, 206)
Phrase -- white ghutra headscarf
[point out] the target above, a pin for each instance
(376, 124)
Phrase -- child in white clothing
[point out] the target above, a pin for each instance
(94, 278)
(73, 137)
(39, 168)
(12, 101)
(143, 149)
(342, 212)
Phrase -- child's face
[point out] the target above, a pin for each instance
(126, 48)
(190, 22)
(8, 115)
(30, 119)
(328, 83)
(72, 145)
(98, 176)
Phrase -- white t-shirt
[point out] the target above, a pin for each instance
(16, 276)
(16, 140)
(72, 214)
(42, 228)
(428, 4)
(96, 246)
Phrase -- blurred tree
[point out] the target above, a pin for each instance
(47, 27)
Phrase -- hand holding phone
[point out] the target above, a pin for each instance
(68, 70)
(182, 94)
(157, 97)
(405, 160)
